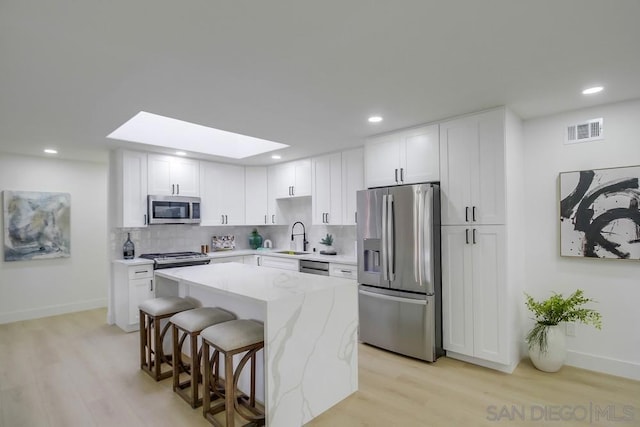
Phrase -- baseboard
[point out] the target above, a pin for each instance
(484, 363)
(606, 365)
(52, 310)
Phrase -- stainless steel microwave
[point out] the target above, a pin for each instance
(173, 210)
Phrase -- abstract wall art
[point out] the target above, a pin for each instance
(600, 213)
(36, 225)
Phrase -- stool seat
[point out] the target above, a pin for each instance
(200, 318)
(165, 305)
(234, 335)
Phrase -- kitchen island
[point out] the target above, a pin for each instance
(310, 327)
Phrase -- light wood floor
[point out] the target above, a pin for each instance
(74, 370)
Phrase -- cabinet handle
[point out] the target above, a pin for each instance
(327, 214)
(396, 173)
(346, 271)
(265, 219)
(142, 272)
(178, 187)
(221, 219)
(474, 236)
(273, 219)
(401, 174)
(466, 213)
(473, 214)
(173, 189)
(355, 217)
(466, 234)
(145, 219)
(151, 285)
(293, 190)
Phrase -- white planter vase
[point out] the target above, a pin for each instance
(556, 354)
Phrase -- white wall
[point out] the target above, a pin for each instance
(615, 284)
(37, 288)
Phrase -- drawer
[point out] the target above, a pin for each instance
(140, 272)
(343, 270)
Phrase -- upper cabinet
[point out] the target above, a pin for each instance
(222, 189)
(256, 195)
(129, 188)
(326, 189)
(404, 157)
(173, 176)
(292, 179)
(352, 182)
(473, 170)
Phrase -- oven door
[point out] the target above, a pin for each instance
(173, 210)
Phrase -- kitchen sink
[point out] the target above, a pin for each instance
(291, 253)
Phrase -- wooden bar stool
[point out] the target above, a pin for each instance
(189, 324)
(152, 312)
(229, 339)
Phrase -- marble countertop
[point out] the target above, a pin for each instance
(253, 282)
(341, 259)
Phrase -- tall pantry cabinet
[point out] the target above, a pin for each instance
(481, 167)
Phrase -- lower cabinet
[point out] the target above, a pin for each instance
(474, 292)
(292, 264)
(132, 285)
(238, 258)
(347, 271)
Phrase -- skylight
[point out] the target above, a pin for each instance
(153, 129)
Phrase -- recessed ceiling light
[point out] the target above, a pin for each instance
(375, 119)
(50, 151)
(276, 157)
(592, 90)
(153, 129)
(181, 153)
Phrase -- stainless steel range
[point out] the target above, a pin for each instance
(176, 259)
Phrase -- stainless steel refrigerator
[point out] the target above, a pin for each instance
(398, 235)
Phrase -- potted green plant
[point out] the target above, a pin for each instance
(328, 242)
(546, 340)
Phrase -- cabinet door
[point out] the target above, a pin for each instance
(160, 175)
(134, 189)
(210, 209)
(420, 155)
(140, 290)
(382, 161)
(256, 195)
(185, 174)
(488, 187)
(231, 194)
(457, 290)
(326, 184)
(489, 294)
(281, 263)
(281, 179)
(274, 182)
(301, 178)
(352, 182)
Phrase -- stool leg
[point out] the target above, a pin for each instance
(195, 369)
(206, 394)
(229, 392)
(252, 397)
(157, 358)
(177, 357)
(143, 338)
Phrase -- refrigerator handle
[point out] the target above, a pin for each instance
(390, 238)
(427, 235)
(385, 265)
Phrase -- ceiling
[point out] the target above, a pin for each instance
(304, 73)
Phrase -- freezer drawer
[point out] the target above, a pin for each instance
(400, 324)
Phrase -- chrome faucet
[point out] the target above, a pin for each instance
(304, 235)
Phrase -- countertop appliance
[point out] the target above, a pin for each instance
(314, 267)
(176, 259)
(173, 210)
(399, 272)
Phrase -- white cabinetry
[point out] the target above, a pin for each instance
(326, 189)
(291, 179)
(472, 161)
(343, 270)
(474, 292)
(282, 263)
(482, 167)
(403, 157)
(129, 188)
(173, 176)
(132, 284)
(222, 191)
(256, 195)
(352, 182)
(221, 260)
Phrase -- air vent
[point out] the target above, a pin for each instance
(590, 130)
